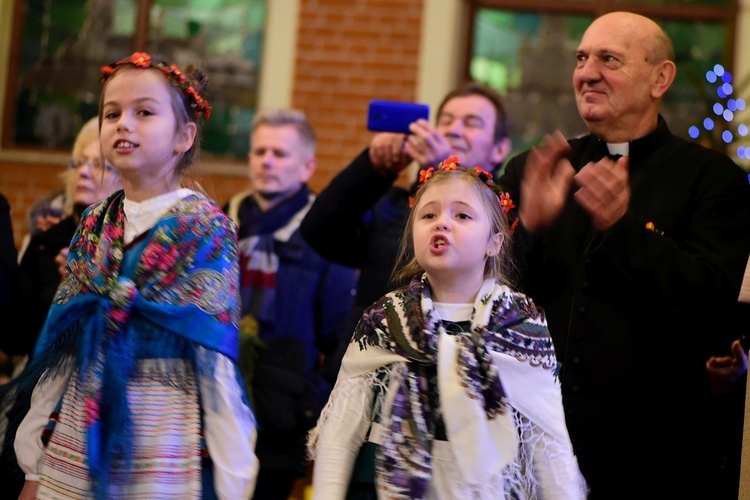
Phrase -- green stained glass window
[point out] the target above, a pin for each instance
(62, 43)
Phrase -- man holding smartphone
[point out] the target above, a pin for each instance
(358, 219)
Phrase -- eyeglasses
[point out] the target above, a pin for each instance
(96, 166)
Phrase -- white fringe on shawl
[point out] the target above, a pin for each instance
(525, 454)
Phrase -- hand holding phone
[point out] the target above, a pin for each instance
(394, 116)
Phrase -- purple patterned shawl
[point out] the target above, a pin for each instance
(399, 324)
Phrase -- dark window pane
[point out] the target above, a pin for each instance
(52, 80)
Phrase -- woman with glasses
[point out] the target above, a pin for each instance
(87, 180)
(81, 186)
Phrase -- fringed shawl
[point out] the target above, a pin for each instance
(473, 399)
(184, 286)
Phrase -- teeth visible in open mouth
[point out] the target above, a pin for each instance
(125, 144)
(439, 242)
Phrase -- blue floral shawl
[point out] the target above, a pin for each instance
(182, 288)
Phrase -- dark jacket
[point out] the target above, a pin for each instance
(39, 278)
(299, 320)
(358, 221)
(635, 313)
(8, 256)
(34, 288)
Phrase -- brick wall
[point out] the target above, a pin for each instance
(25, 184)
(348, 52)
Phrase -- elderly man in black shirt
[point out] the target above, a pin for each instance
(637, 262)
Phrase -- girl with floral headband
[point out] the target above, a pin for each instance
(448, 388)
(137, 390)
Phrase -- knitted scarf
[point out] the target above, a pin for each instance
(265, 238)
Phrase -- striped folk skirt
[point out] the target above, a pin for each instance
(166, 458)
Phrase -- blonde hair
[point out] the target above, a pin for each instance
(88, 134)
(500, 266)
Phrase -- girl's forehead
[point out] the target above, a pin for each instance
(446, 185)
(137, 81)
(449, 189)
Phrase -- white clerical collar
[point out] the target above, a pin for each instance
(618, 148)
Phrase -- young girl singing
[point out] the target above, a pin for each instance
(448, 388)
(138, 395)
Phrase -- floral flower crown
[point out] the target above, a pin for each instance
(451, 163)
(173, 74)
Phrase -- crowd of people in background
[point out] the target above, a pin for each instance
(545, 325)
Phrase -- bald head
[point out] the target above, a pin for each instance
(656, 44)
(624, 67)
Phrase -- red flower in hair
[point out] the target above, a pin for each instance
(172, 72)
(206, 112)
(512, 228)
(181, 78)
(425, 174)
(193, 94)
(141, 59)
(479, 172)
(506, 202)
(450, 163)
(107, 71)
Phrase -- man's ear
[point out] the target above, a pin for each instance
(501, 150)
(309, 169)
(664, 75)
(186, 137)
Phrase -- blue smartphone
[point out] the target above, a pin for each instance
(394, 116)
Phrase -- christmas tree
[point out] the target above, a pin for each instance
(720, 130)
